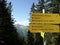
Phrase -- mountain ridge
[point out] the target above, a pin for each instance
(22, 30)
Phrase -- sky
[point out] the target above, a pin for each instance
(21, 10)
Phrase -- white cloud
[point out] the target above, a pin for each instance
(25, 22)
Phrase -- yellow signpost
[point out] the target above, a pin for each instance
(45, 18)
(44, 28)
(44, 22)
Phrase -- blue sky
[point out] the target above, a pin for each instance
(21, 10)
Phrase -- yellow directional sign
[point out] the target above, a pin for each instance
(44, 28)
(45, 18)
(44, 22)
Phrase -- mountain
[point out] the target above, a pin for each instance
(22, 30)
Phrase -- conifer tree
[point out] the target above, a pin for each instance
(55, 6)
(8, 33)
(40, 6)
(36, 38)
(30, 36)
(33, 8)
(53, 38)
